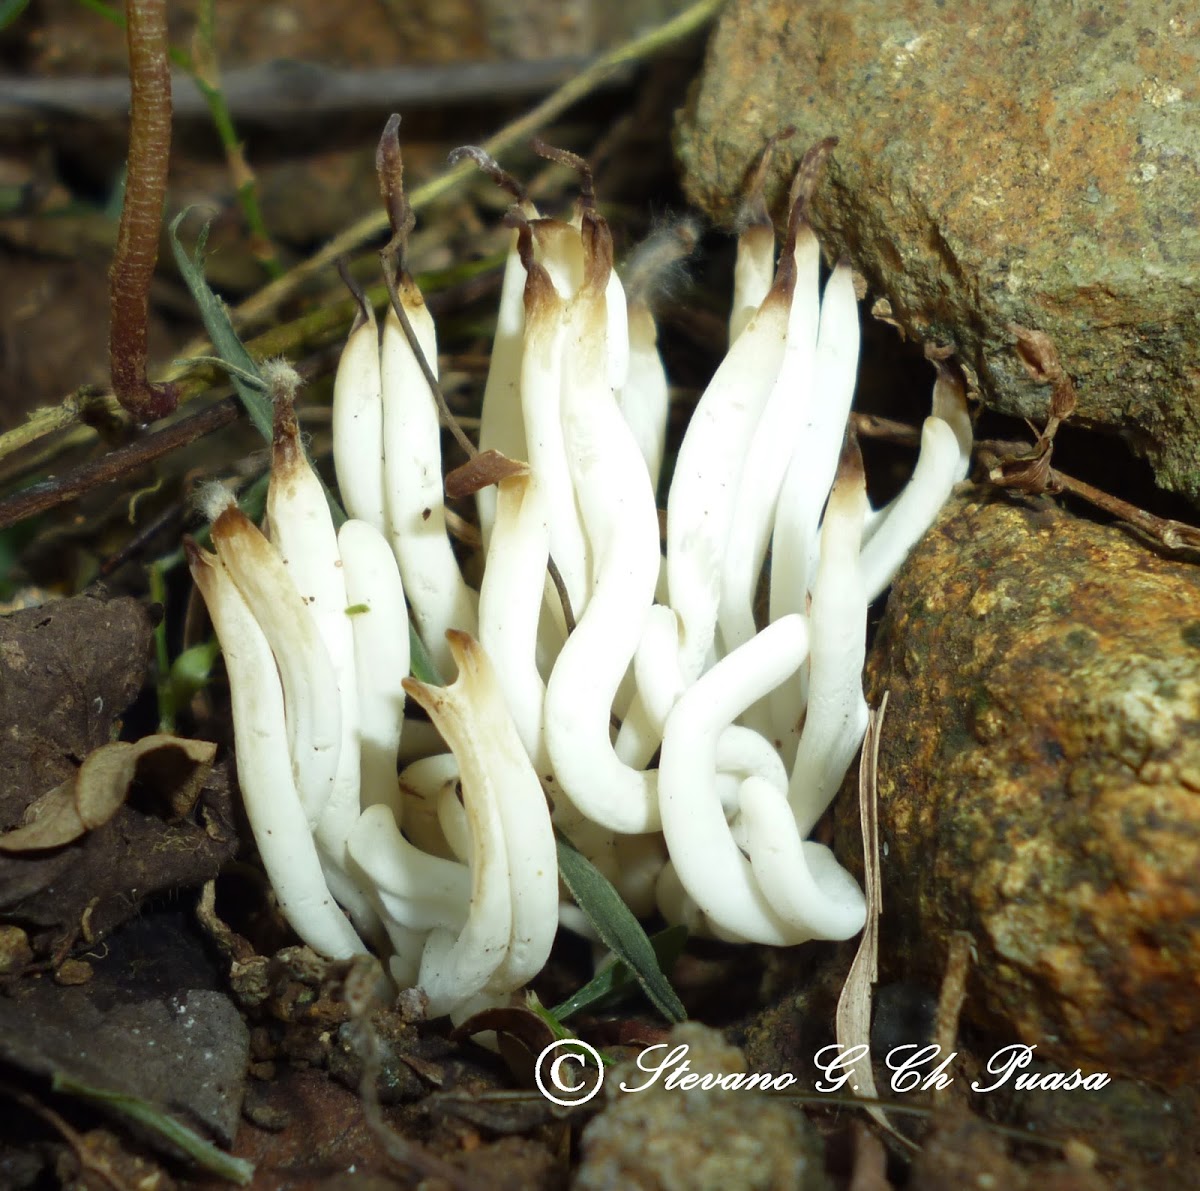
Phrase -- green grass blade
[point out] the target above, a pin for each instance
(617, 977)
(202, 1152)
(618, 929)
(220, 330)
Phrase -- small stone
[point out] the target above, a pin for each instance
(15, 952)
(698, 1140)
(73, 971)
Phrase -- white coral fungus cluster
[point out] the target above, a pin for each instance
(450, 868)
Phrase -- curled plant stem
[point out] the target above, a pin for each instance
(141, 213)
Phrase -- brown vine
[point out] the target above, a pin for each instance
(141, 215)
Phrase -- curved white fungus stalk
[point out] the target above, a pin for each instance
(753, 273)
(421, 786)
(659, 685)
(450, 868)
(264, 764)
(706, 859)
(510, 602)
(644, 398)
(622, 527)
(541, 405)
(801, 880)
(417, 890)
(708, 471)
(413, 891)
(302, 529)
(675, 904)
(307, 674)
(501, 426)
(836, 716)
(412, 457)
(813, 464)
(514, 895)
(809, 477)
(944, 460)
(379, 621)
(904, 521)
(358, 423)
(639, 861)
(770, 449)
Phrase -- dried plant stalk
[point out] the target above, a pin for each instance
(141, 214)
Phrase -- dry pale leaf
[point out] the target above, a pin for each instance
(853, 1020)
(101, 784)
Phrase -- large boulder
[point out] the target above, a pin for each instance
(999, 164)
(1039, 783)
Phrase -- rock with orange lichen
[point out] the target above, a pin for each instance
(999, 164)
(1039, 782)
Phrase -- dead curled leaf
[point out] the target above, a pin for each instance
(487, 468)
(99, 787)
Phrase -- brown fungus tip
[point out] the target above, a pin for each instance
(587, 191)
(808, 173)
(196, 555)
(389, 166)
(597, 250)
(949, 370)
(467, 653)
(753, 211)
(427, 697)
(490, 166)
(539, 289)
(850, 470)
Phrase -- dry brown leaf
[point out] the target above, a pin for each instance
(101, 784)
(50, 821)
(487, 468)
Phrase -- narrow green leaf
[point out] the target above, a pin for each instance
(10, 10)
(419, 661)
(617, 977)
(618, 929)
(202, 1152)
(220, 330)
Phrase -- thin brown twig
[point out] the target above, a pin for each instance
(116, 465)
